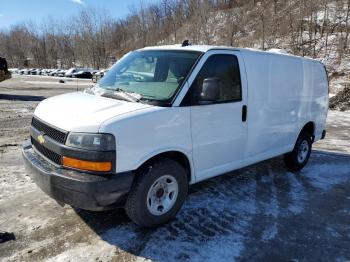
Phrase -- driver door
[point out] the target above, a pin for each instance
(218, 128)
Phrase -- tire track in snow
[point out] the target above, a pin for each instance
(271, 210)
(267, 207)
(217, 215)
(297, 194)
(230, 217)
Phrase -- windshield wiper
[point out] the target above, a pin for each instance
(130, 95)
(113, 93)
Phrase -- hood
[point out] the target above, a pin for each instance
(82, 112)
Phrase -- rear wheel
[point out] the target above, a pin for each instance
(300, 155)
(157, 194)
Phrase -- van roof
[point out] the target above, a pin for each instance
(205, 48)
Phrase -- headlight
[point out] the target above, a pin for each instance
(98, 142)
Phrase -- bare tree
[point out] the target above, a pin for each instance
(306, 27)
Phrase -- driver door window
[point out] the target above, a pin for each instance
(226, 69)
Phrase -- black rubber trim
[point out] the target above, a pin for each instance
(185, 80)
(79, 189)
(244, 113)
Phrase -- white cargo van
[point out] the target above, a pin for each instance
(166, 117)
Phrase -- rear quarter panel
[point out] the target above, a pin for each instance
(315, 96)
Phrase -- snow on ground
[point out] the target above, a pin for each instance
(338, 132)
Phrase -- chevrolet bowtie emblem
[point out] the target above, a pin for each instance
(41, 139)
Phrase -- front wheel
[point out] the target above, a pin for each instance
(157, 194)
(300, 155)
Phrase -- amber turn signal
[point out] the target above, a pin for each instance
(87, 165)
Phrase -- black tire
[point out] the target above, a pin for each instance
(136, 205)
(291, 159)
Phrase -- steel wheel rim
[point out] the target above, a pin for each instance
(303, 151)
(162, 195)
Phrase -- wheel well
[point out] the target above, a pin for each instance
(309, 128)
(179, 157)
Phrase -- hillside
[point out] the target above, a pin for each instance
(322, 33)
(93, 38)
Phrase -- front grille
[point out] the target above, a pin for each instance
(56, 158)
(55, 134)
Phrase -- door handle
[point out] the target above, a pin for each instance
(244, 113)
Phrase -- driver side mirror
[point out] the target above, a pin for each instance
(210, 91)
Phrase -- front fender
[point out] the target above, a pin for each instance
(146, 133)
(158, 152)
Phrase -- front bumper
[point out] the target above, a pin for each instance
(83, 190)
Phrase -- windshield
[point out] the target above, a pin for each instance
(154, 75)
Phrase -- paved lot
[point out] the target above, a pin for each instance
(260, 212)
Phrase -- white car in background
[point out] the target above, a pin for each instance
(98, 75)
(166, 117)
(71, 71)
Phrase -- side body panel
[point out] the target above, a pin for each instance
(274, 86)
(284, 93)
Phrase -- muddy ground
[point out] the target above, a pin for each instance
(261, 212)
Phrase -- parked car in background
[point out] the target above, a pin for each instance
(98, 75)
(82, 74)
(61, 73)
(46, 72)
(71, 71)
(32, 71)
(94, 71)
(23, 71)
(14, 70)
(53, 72)
(38, 71)
(57, 72)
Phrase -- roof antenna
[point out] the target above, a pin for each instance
(186, 43)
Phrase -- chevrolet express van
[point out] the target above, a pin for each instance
(166, 117)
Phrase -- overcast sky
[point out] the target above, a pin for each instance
(16, 11)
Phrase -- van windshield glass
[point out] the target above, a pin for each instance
(153, 75)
